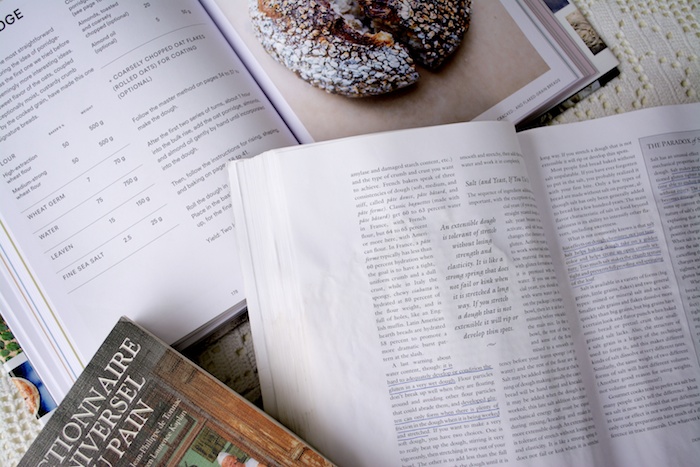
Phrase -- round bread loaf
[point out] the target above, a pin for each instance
(348, 47)
(313, 40)
(431, 29)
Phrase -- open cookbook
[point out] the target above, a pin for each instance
(117, 120)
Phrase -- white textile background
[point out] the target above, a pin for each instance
(658, 45)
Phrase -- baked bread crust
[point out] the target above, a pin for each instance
(344, 56)
(313, 40)
(431, 29)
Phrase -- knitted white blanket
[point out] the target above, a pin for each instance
(658, 45)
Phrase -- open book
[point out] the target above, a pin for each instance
(118, 118)
(466, 294)
(139, 402)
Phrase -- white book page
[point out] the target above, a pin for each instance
(413, 305)
(409, 333)
(118, 119)
(624, 216)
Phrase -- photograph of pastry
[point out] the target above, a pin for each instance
(31, 388)
(449, 62)
(24, 377)
(586, 32)
(360, 48)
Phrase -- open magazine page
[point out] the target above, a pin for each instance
(22, 374)
(573, 32)
(624, 217)
(117, 122)
(505, 68)
(426, 301)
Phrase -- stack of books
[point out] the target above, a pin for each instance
(429, 277)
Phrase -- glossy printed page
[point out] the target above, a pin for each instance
(118, 119)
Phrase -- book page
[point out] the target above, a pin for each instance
(624, 218)
(427, 296)
(457, 306)
(117, 121)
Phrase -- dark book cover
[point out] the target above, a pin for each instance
(139, 402)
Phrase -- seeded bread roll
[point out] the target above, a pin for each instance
(314, 40)
(431, 29)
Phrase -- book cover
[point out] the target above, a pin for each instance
(139, 402)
